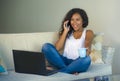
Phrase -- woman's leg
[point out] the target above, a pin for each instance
(53, 56)
(79, 65)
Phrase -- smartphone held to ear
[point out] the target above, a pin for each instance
(68, 24)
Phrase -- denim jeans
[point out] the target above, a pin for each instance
(62, 63)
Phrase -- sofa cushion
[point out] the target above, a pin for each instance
(93, 71)
(107, 54)
(23, 41)
(96, 48)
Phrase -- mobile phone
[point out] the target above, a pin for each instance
(68, 24)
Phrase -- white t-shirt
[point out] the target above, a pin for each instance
(72, 45)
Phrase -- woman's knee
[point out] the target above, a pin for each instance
(87, 62)
(88, 58)
(46, 46)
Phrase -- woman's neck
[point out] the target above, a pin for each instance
(77, 34)
(78, 31)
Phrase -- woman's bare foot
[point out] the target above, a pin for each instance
(49, 68)
(76, 73)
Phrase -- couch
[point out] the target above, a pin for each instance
(33, 42)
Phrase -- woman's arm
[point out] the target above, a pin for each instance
(60, 42)
(88, 40)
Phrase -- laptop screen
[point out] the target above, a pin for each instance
(29, 62)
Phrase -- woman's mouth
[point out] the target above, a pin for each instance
(75, 26)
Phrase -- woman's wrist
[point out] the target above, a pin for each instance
(65, 32)
(88, 51)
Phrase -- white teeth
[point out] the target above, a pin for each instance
(75, 25)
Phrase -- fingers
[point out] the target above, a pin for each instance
(66, 28)
(65, 23)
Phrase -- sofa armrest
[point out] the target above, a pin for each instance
(107, 54)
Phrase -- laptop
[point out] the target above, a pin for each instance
(30, 62)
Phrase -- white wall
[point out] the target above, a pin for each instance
(46, 15)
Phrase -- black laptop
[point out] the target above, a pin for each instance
(30, 62)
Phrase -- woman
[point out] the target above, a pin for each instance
(73, 36)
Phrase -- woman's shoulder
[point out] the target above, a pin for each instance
(89, 32)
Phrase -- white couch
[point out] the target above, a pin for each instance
(34, 42)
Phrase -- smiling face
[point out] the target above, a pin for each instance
(76, 22)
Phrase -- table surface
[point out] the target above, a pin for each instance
(107, 78)
(115, 77)
(103, 78)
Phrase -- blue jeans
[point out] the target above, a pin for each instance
(64, 64)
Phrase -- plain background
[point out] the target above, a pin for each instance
(26, 16)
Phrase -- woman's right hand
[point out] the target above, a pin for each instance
(66, 28)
